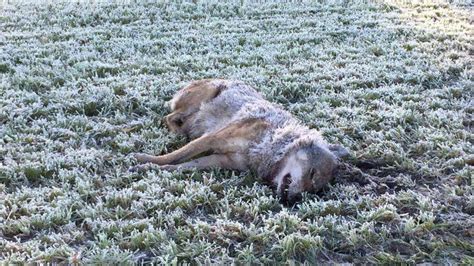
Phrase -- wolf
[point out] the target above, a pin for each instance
(231, 126)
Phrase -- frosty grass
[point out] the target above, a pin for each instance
(83, 85)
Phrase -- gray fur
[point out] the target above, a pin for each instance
(239, 102)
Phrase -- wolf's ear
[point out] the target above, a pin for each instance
(338, 150)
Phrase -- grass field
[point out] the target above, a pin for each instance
(83, 86)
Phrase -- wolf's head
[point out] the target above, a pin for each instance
(307, 168)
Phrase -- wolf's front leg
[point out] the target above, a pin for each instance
(224, 161)
(215, 160)
(195, 147)
(232, 139)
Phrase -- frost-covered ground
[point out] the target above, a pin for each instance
(83, 86)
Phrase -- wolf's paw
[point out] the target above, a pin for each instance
(169, 167)
(142, 157)
(141, 168)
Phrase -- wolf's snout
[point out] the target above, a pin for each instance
(284, 188)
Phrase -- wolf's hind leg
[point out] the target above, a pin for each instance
(187, 102)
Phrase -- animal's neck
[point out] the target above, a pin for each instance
(279, 142)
